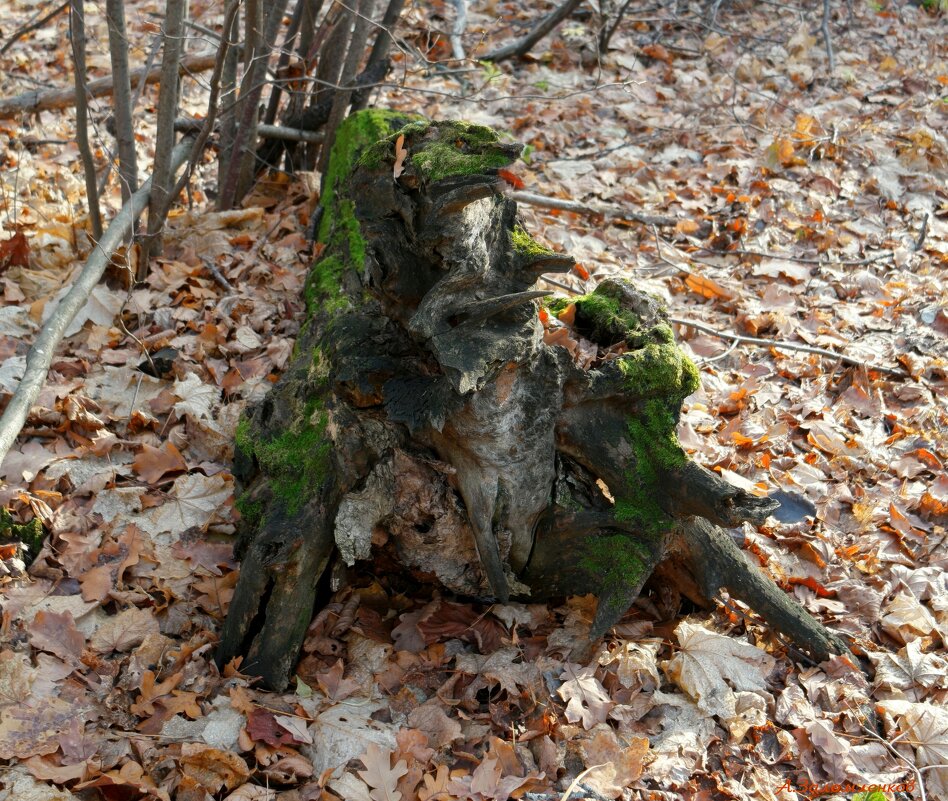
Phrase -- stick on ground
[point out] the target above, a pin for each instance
(34, 101)
(40, 356)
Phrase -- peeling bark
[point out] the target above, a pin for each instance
(424, 417)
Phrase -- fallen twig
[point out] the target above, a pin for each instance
(41, 354)
(776, 343)
(532, 199)
(37, 100)
(800, 259)
(186, 125)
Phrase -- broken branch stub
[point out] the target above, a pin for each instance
(429, 416)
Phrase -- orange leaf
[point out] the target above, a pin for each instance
(686, 226)
(400, 155)
(511, 179)
(581, 271)
(813, 584)
(568, 315)
(658, 52)
(707, 288)
(152, 463)
(544, 315)
(928, 458)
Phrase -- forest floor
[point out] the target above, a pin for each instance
(812, 211)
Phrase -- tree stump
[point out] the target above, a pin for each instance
(423, 415)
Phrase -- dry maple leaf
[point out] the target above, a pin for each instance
(910, 670)
(708, 662)
(380, 775)
(152, 463)
(587, 700)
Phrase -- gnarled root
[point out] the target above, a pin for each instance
(717, 563)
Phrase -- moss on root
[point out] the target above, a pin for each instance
(295, 462)
(526, 245)
(616, 559)
(656, 377)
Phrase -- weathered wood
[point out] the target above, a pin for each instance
(423, 416)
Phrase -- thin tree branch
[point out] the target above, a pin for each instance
(261, 33)
(827, 37)
(354, 53)
(77, 35)
(776, 343)
(33, 25)
(521, 47)
(31, 102)
(457, 30)
(379, 55)
(228, 82)
(533, 199)
(230, 16)
(800, 259)
(41, 354)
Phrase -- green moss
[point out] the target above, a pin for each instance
(458, 148)
(526, 245)
(651, 433)
(659, 369)
(30, 534)
(617, 561)
(296, 462)
(323, 288)
(339, 231)
(600, 317)
(251, 512)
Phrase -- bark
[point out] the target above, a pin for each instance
(77, 35)
(122, 98)
(161, 198)
(424, 419)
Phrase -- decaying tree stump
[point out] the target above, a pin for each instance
(424, 416)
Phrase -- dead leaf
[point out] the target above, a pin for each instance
(400, 155)
(587, 700)
(153, 463)
(380, 775)
(213, 768)
(57, 634)
(708, 665)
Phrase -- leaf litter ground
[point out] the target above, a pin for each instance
(810, 210)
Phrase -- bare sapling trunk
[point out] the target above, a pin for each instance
(122, 98)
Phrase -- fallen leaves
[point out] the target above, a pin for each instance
(710, 667)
